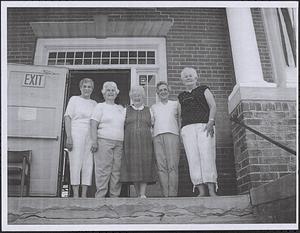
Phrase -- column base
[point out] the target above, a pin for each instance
(267, 92)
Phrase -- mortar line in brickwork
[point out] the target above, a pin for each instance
(234, 119)
(165, 14)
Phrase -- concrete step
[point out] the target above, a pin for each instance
(179, 210)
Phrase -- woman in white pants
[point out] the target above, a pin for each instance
(198, 109)
(77, 126)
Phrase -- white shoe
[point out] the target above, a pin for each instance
(143, 196)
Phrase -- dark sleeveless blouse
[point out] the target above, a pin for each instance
(194, 107)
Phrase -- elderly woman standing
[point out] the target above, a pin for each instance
(107, 130)
(198, 109)
(77, 117)
(166, 139)
(138, 162)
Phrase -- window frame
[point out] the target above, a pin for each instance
(157, 44)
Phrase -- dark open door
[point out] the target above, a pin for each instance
(120, 77)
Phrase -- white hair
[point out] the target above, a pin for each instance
(109, 84)
(188, 70)
(137, 89)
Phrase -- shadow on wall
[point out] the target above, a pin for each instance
(275, 202)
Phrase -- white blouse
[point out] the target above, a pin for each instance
(80, 111)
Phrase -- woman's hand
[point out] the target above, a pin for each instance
(69, 143)
(94, 146)
(209, 128)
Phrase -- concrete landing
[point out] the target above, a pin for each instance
(180, 210)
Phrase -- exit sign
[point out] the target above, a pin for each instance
(34, 80)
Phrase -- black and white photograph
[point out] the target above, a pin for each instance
(149, 115)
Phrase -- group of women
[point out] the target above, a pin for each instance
(117, 139)
(120, 142)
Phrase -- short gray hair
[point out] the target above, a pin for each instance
(109, 84)
(189, 70)
(161, 83)
(137, 89)
(86, 80)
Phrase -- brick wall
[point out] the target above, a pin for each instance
(199, 38)
(262, 44)
(258, 161)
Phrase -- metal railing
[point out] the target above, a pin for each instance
(65, 181)
(234, 119)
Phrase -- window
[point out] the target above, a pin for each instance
(135, 57)
(141, 55)
(148, 81)
(286, 18)
(280, 27)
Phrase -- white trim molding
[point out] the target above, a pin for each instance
(101, 27)
(44, 46)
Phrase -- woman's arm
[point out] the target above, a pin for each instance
(69, 143)
(212, 112)
(94, 126)
(152, 116)
(179, 114)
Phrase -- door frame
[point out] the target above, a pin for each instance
(159, 69)
(158, 44)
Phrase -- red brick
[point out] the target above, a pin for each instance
(279, 168)
(285, 107)
(269, 176)
(273, 160)
(250, 122)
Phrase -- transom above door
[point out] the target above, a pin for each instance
(144, 57)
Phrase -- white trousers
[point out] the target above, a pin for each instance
(81, 158)
(201, 153)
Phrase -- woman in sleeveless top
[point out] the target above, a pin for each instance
(198, 110)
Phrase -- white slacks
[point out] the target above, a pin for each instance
(81, 158)
(201, 153)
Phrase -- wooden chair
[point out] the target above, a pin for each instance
(19, 170)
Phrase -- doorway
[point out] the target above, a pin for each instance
(121, 78)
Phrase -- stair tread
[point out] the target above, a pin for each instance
(204, 210)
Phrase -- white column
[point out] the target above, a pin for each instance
(246, 60)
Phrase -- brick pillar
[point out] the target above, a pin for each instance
(271, 111)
